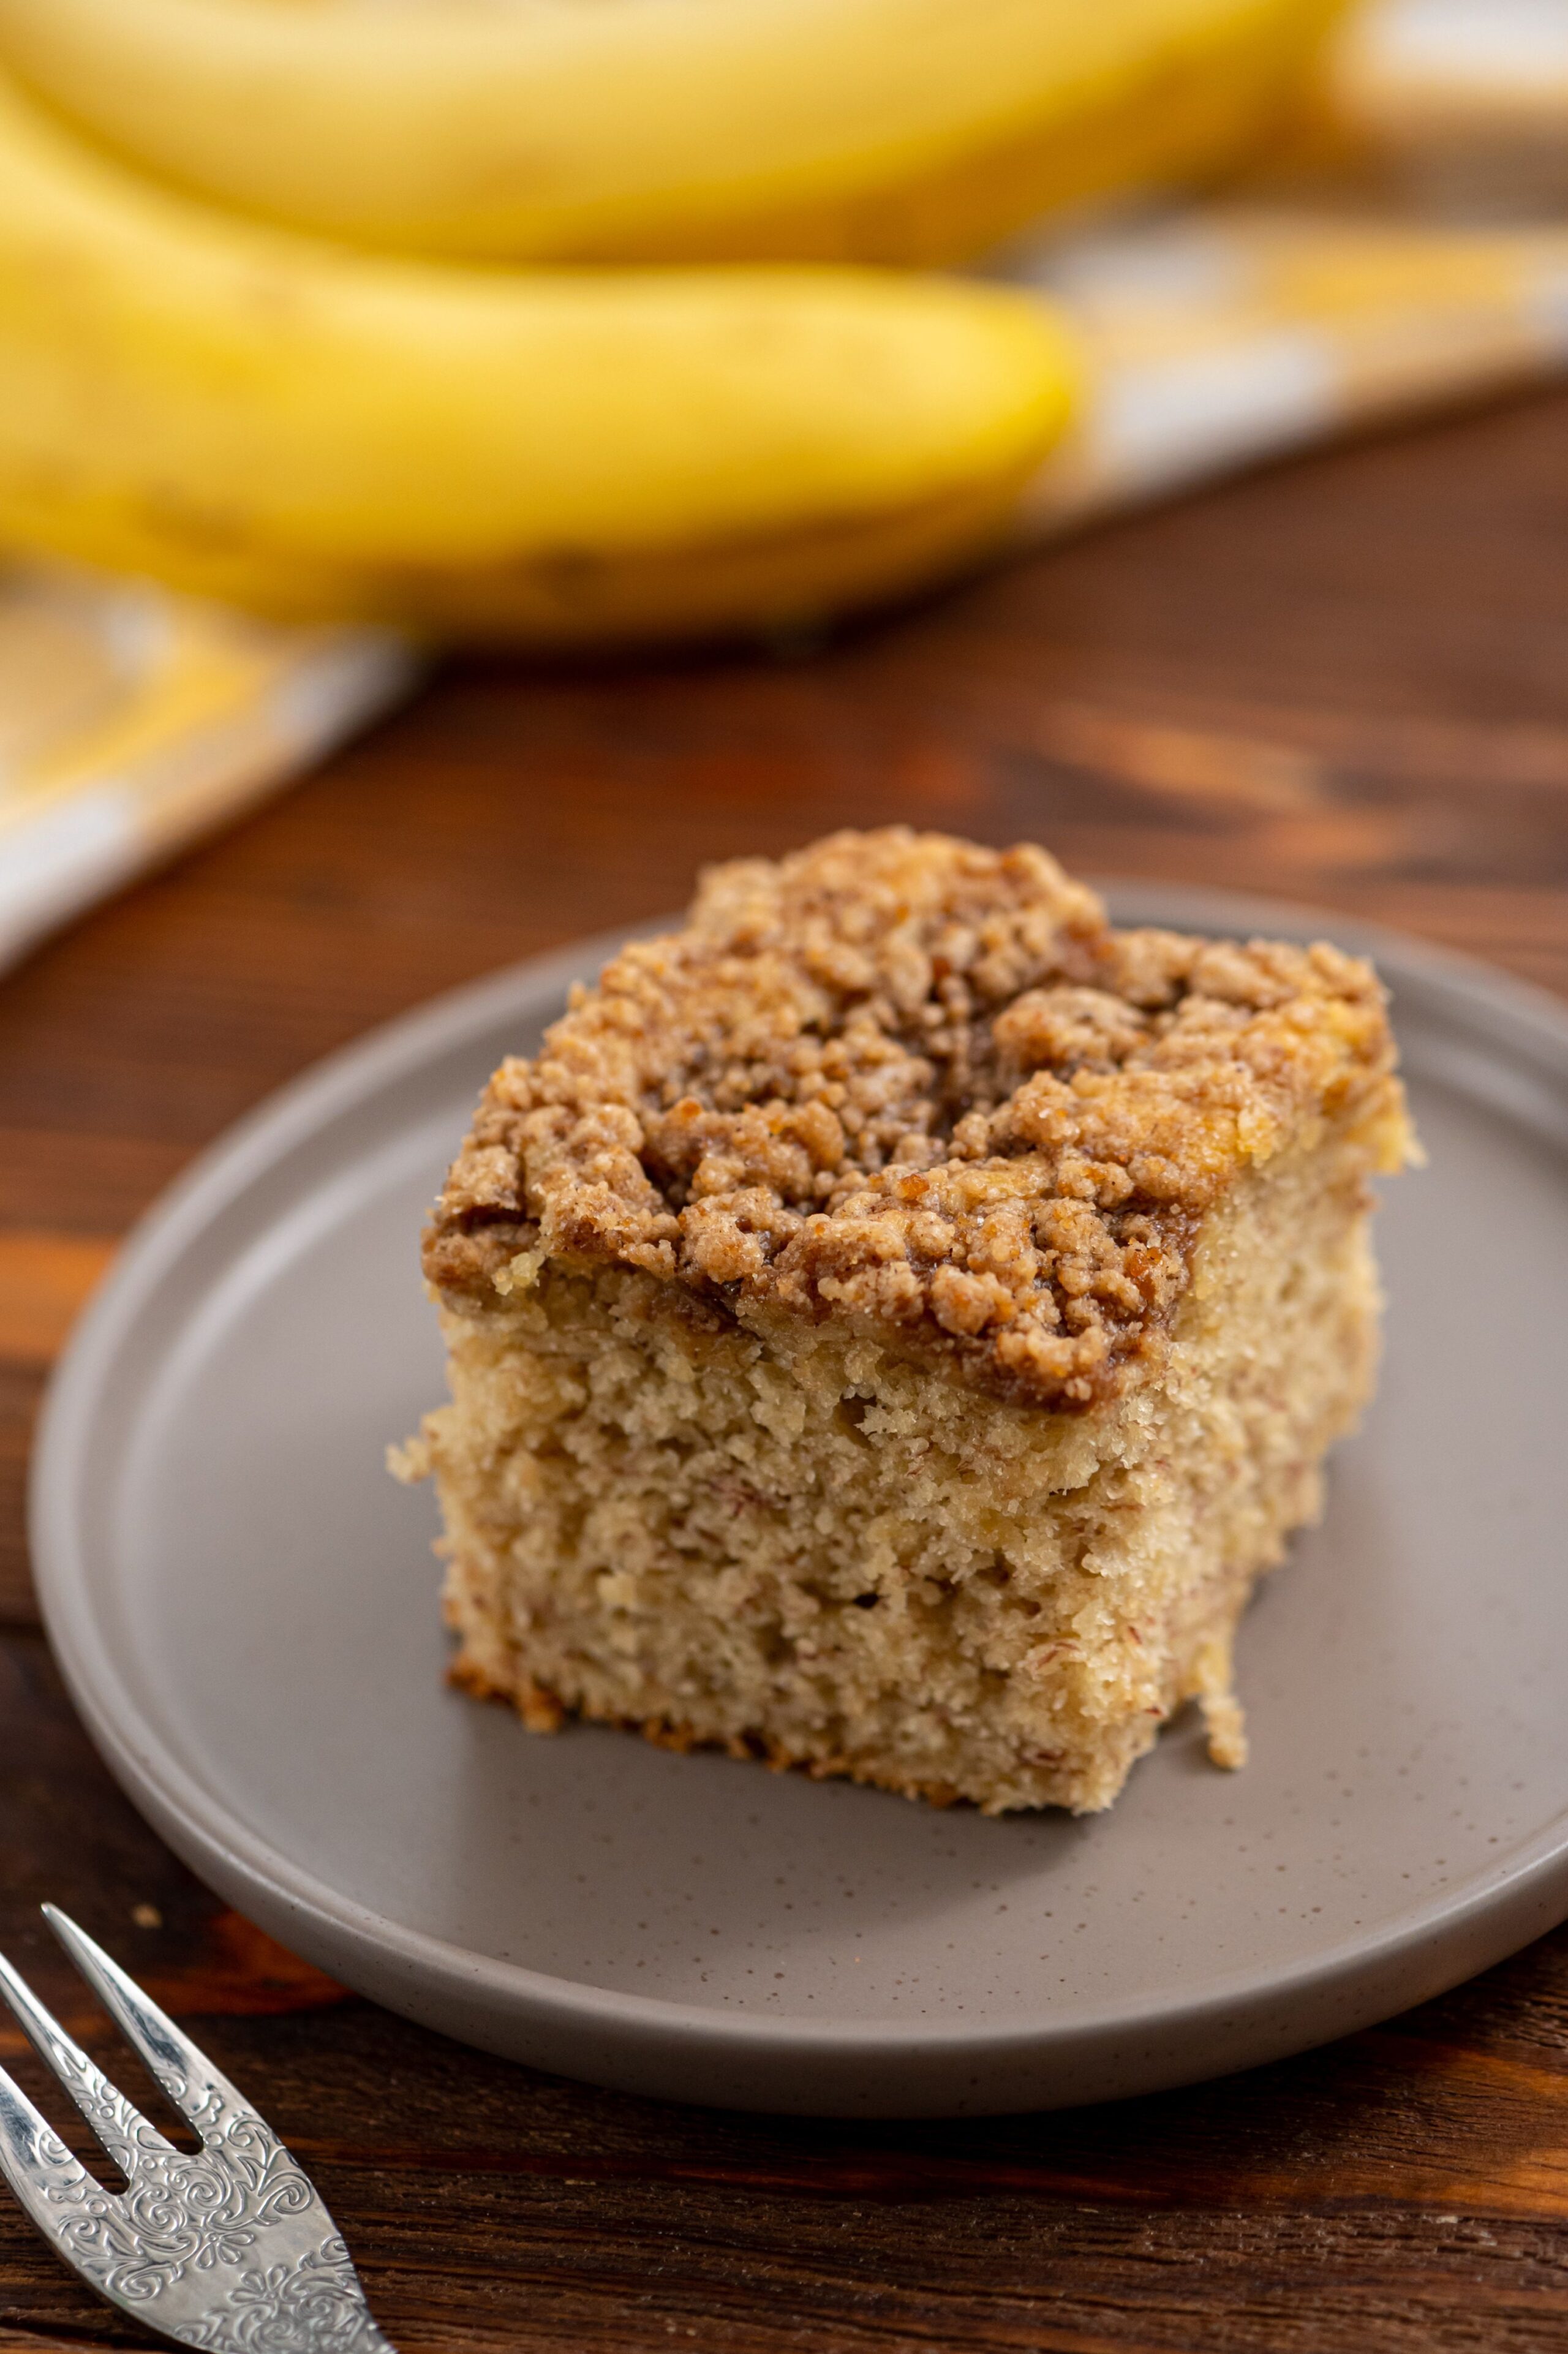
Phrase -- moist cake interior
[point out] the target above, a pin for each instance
(892, 1322)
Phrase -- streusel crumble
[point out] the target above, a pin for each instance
(893, 1321)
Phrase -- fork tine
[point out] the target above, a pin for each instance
(195, 2086)
(51, 2184)
(227, 2248)
(119, 2125)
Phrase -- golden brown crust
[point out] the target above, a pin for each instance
(922, 1086)
(539, 1708)
(543, 1711)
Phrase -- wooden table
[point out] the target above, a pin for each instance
(1343, 682)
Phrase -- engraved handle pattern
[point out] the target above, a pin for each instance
(225, 2247)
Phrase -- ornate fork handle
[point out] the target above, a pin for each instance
(227, 2247)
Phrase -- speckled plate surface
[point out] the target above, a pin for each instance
(245, 1607)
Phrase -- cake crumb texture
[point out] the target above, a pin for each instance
(893, 1323)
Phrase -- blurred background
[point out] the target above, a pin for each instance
(337, 335)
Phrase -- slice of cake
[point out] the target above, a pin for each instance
(894, 1320)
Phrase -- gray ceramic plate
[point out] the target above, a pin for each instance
(245, 1607)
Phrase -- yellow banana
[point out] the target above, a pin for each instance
(311, 431)
(894, 131)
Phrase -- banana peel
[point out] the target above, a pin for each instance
(906, 132)
(547, 457)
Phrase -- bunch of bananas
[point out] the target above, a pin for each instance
(564, 320)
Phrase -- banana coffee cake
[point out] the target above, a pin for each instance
(893, 1321)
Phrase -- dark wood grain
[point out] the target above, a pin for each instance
(1342, 682)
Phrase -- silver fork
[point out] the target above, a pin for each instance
(227, 2246)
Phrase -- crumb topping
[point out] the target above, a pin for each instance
(903, 1080)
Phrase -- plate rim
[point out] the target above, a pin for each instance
(1532, 1880)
